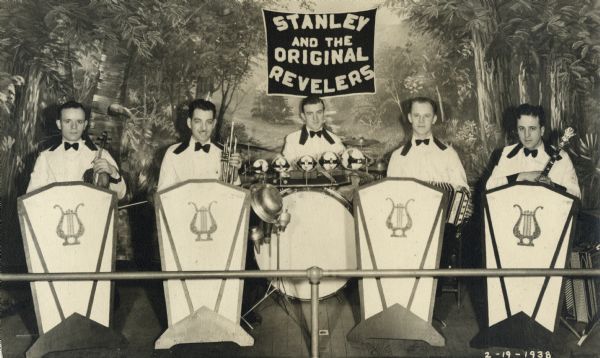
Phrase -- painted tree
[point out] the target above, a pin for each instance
(274, 109)
(475, 21)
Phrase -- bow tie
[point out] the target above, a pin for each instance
(316, 133)
(424, 141)
(71, 145)
(199, 146)
(533, 152)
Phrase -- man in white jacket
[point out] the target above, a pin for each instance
(68, 160)
(525, 160)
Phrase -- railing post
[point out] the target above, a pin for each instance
(314, 277)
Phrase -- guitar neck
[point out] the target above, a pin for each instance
(549, 165)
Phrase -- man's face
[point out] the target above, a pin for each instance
(313, 116)
(422, 118)
(72, 123)
(202, 125)
(529, 130)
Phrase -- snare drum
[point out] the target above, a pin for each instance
(320, 233)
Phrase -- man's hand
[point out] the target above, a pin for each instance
(528, 176)
(101, 165)
(235, 160)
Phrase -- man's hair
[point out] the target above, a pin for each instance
(74, 105)
(422, 100)
(527, 109)
(311, 99)
(202, 105)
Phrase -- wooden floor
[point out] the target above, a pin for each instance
(140, 317)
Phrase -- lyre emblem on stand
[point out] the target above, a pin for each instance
(69, 226)
(527, 226)
(203, 222)
(399, 218)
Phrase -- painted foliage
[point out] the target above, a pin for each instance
(476, 58)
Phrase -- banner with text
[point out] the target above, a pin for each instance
(321, 54)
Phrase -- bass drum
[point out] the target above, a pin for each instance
(320, 233)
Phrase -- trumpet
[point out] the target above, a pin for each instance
(229, 173)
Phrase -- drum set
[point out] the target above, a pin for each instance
(306, 218)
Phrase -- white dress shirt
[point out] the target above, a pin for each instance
(181, 162)
(514, 161)
(59, 165)
(300, 143)
(433, 162)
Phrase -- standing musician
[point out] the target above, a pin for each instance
(425, 157)
(199, 157)
(525, 160)
(313, 139)
(68, 160)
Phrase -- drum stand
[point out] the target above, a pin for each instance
(271, 288)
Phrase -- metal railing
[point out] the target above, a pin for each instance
(313, 274)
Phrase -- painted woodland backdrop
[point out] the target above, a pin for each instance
(138, 62)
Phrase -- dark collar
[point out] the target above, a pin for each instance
(439, 143)
(88, 143)
(515, 150)
(408, 146)
(304, 136)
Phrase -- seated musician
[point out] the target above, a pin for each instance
(313, 139)
(197, 157)
(525, 160)
(68, 160)
(425, 157)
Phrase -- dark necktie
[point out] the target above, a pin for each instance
(199, 146)
(68, 146)
(316, 133)
(424, 141)
(532, 152)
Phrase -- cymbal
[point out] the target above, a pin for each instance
(246, 146)
(360, 142)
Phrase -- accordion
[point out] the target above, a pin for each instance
(459, 204)
(581, 294)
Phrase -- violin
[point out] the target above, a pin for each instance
(101, 180)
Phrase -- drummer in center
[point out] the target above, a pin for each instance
(313, 139)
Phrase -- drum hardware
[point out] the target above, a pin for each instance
(229, 172)
(354, 159)
(360, 142)
(259, 236)
(132, 204)
(311, 239)
(266, 201)
(260, 167)
(307, 163)
(329, 161)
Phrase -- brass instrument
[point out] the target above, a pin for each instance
(229, 173)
